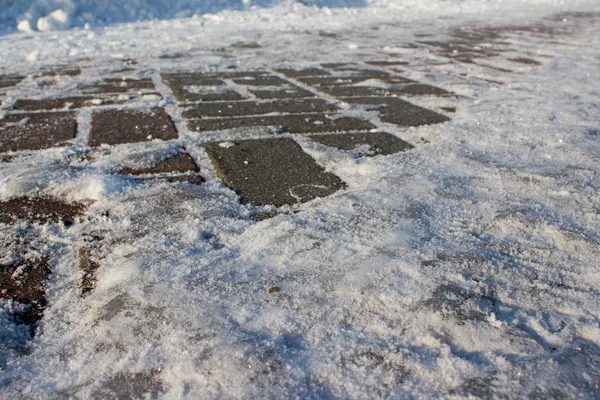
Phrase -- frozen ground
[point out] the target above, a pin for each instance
(467, 266)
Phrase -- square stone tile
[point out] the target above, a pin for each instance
(127, 126)
(364, 143)
(35, 131)
(229, 109)
(271, 171)
(43, 210)
(399, 112)
(308, 123)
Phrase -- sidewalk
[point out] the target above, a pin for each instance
(391, 204)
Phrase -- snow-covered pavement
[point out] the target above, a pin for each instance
(396, 199)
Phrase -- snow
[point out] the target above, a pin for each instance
(502, 202)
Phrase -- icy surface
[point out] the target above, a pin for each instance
(467, 266)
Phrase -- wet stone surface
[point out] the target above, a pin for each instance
(124, 126)
(43, 210)
(271, 171)
(35, 131)
(364, 143)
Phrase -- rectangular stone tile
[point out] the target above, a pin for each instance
(399, 112)
(271, 171)
(184, 95)
(310, 123)
(182, 162)
(36, 131)
(52, 104)
(228, 109)
(351, 80)
(25, 283)
(43, 210)
(420, 89)
(213, 75)
(364, 143)
(295, 73)
(116, 85)
(386, 63)
(181, 80)
(261, 81)
(354, 91)
(88, 264)
(126, 126)
(292, 92)
(64, 70)
(10, 80)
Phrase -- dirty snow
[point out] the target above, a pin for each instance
(467, 266)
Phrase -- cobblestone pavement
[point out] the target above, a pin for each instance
(244, 126)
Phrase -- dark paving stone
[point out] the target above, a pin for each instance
(255, 108)
(181, 80)
(186, 96)
(399, 112)
(10, 80)
(145, 384)
(296, 73)
(124, 126)
(43, 210)
(35, 131)
(337, 65)
(171, 56)
(246, 45)
(312, 123)
(351, 80)
(421, 89)
(194, 179)
(52, 104)
(182, 162)
(25, 283)
(61, 70)
(364, 143)
(116, 85)
(523, 60)
(261, 81)
(88, 264)
(292, 92)
(355, 91)
(272, 171)
(386, 63)
(191, 76)
(448, 109)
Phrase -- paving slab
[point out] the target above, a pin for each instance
(364, 143)
(63, 70)
(296, 73)
(271, 172)
(10, 80)
(312, 123)
(291, 92)
(53, 104)
(420, 89)
(88, 264)
(116, 85)
(352, 80)
(127, 126)
(42, 210)
(399, 112)
(240, 108)
(182, 162)
(25, 283)
(36, 131)
(186, 95)
(261, 81)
